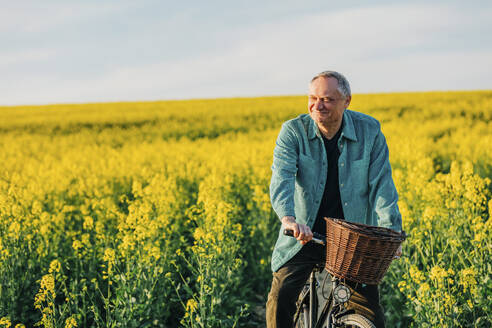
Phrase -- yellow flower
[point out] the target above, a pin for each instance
(423, 289)
(76, 245)
(140, 197)
(14, 229)
(5, 322)
(191, 305)
(46, 293)
(402, 285)
(109, 255)
(479, 237)
(70, 322)
(416, 274)
(55, 266)
(88, 222)
(454, 242)
(85, 238)
(448, 302)
(48, 283)
(199, 234)
(437, 273)
(468, 280)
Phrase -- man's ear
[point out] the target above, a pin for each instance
(309, 108)
(347, 101)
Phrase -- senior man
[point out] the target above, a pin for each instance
(332, 162)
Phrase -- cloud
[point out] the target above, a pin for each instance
(10, 58)
(465, 70)
(283, 55)
(39, 16)
(383, 48)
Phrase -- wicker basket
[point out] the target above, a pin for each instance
(359, 252)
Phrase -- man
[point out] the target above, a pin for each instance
(332, 162)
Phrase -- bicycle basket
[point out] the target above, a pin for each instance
(359, 252)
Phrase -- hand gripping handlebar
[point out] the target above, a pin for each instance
(317, 238)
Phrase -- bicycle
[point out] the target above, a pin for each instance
(334, 313)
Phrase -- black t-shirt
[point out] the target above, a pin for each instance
(331, 204)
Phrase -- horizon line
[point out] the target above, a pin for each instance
(230, 98)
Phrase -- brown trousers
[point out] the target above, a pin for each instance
(289, 280)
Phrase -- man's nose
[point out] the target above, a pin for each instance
(319, 104)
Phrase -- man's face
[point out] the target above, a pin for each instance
(326, 104)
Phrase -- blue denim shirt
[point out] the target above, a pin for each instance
(299, 168)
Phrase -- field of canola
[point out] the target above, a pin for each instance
(157, 214)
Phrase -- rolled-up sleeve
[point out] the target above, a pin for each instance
(284, 169)
(383, 196)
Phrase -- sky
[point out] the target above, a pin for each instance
(84, 51)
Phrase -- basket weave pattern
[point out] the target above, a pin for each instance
(359, 252)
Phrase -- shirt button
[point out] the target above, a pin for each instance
(341, 184)
(346, 204)
(342, 164)
(341, 146)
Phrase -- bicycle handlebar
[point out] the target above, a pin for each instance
(317, 238)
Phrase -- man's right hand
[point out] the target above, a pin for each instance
(302, 232)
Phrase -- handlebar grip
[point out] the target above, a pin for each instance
(317, 238)
(289, 232)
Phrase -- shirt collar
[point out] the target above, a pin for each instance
(348, 130)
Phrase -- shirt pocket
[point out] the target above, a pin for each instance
(306, 172)
(359, 174)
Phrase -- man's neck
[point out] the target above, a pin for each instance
(329, 131)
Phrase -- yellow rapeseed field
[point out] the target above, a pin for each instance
(157, 214)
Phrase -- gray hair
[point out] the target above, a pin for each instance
(343, 84)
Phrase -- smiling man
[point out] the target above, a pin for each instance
(332, 162)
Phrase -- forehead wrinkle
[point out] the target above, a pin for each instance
(324, 93)
(324, 85)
